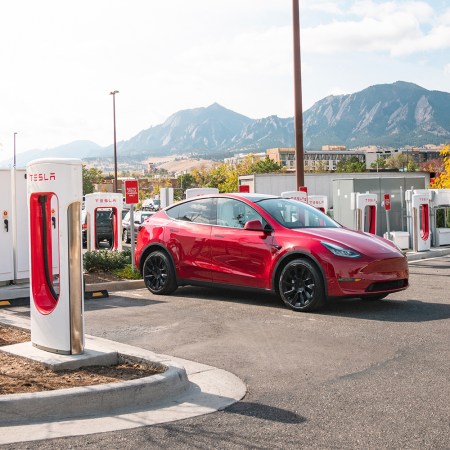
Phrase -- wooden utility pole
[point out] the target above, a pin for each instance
(298, 115)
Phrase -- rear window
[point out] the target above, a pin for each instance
(295, 214)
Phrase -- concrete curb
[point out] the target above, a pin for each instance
(116, 285)
(435, 252)
(92, 400)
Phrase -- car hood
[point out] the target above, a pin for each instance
(364, 243)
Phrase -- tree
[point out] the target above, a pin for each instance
(352, 164)
(379, 163)
(91, 177)
(435, 166)
(442, 181)
(266, 165)
(402, 161)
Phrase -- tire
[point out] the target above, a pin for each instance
(158, 273)
(301, 286)
(126, 237)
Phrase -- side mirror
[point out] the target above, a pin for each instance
(253, 225)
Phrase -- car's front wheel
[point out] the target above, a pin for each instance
(301, 286)
(158, 273)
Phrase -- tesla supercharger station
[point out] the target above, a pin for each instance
(319, 201)
(20, 225)
(6, 228)
(104, 201)
(365, 207)
(440, 200)
(54, 190)
(418, 219)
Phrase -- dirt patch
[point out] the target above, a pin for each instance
(19, 375)
(100, 277)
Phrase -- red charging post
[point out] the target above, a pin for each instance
(244, 188)
(387, 207)
(132, 198)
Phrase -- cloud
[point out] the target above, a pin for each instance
(398, 28)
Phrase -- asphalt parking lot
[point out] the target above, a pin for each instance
(356, 375)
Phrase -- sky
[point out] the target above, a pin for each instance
(59, 60)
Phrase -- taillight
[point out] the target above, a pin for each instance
(84, 226)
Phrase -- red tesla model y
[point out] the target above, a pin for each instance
(266, 242)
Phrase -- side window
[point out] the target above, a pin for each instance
(198, 211)
(173, 212)
(234, 213)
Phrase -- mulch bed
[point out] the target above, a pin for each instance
(19, 375)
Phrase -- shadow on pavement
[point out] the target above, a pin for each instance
(265, 412)
(387, 310)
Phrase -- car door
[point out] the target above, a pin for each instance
(188, 238)
(240, 257)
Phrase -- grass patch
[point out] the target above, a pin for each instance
(127, 273)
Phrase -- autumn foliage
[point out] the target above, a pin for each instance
(442, 180)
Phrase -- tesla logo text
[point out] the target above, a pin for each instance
(105, 200)
(43, 176)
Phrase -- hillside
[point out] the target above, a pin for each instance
(394, 115)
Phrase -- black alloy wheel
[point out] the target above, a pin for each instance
(126, 238)
(159, 275)
(301, 286)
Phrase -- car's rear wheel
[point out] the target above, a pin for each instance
(301, 286)
(125, 237)
(159, 275)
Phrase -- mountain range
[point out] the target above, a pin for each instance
(395, 115)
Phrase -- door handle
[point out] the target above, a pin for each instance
(219, 236)
(6, 225)
(172, 230)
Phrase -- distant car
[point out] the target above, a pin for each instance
(151, 204)
(103, 227)
(139, 217)
(269, 243)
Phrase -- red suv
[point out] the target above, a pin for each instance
(266, 242)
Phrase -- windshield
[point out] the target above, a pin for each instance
(295, 214)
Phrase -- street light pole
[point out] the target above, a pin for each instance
(14, 158)
(298, 116)
(113, 93)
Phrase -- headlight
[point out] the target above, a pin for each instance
(340, 251)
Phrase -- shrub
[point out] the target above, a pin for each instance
(105, 260)
(128, 273)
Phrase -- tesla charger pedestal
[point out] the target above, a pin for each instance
(418, 215)
(54, 191)
(20, 226)
(301, 196)
(365, 206)
(6, 228)
(319, 201)
(104, 201)
(440, 200)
